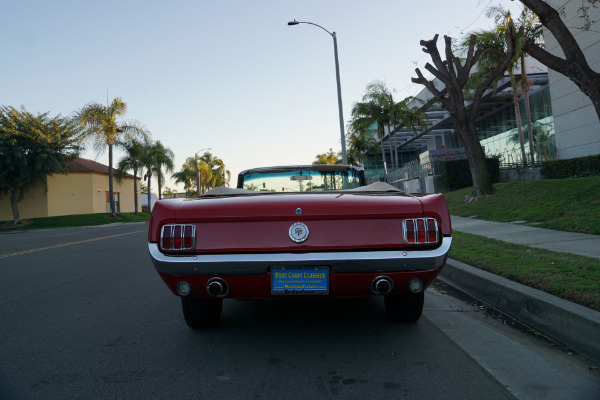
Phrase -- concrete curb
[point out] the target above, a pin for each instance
(572, 324)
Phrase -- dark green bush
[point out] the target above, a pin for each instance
(457, 175)
(572, 167)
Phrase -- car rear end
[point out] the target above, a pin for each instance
(276, 245)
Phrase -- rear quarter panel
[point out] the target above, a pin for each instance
(434, 205)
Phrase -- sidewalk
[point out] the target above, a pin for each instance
(572, 324)
(565, 242)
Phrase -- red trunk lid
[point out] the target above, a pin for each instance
(261, 223)
(308, 206)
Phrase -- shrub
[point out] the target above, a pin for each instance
(572, 167)
(457, 175)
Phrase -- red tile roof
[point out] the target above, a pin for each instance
(85, 165)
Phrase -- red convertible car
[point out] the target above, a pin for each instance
(304, 231)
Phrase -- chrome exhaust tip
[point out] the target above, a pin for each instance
(217, 287)
(382, 285)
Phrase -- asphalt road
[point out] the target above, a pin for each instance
(83, 315)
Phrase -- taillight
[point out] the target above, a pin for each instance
(178, 237)
(189, 236)
(420, 231)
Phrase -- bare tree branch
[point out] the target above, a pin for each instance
(574, 66)
(441, 75)
(450, 59)
(454, 76)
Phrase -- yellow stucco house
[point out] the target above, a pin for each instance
(83, 190)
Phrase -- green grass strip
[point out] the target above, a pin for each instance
(75, 220)
(571, 277)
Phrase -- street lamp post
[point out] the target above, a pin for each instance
(339, 90)
(197, 171)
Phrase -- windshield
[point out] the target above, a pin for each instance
(301, 180)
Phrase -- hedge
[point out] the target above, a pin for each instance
(457, 175)
(572, 167)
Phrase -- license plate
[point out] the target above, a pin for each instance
(300, 281)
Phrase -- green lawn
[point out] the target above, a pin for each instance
(75, 220)
(564, 204)
(561, 204)
(572, 277)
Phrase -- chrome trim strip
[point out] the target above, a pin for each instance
(254, 264)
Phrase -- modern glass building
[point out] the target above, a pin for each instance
(564, 125)
(498, 131)
(496, 126)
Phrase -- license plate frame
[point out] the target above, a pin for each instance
(300, 281)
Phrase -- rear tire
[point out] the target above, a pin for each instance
(404, 307)
(201, 313)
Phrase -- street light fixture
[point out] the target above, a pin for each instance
(339, 90)
(197, 171)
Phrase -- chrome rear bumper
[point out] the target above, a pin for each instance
(340, 262)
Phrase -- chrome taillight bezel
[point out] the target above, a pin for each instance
(186, 241)
(415, 230)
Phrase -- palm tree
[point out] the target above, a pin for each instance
(528, 28)
(101, 123)
(204, 176)
(371, 111)
(410, 118)
(378, 106)
(168, 192)
(328, 158)
(131, 161)
(187, 175)
(494, 51)
(147, 161)
(360, 142)
(163, 158)
(364, 115)
(212, 171)
(402, 115)
(378, 92)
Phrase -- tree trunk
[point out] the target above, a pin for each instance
(382, 151)
(529, 129)
(391, 149)
(14, 200)
(149, 175)
(525, 87)
(396, 150)
(110, 181)
(135, 190)
(394, 153)
(482, 182)
(159, 187)
(518, 117)
(392, 156)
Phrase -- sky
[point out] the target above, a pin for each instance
(228, 75)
